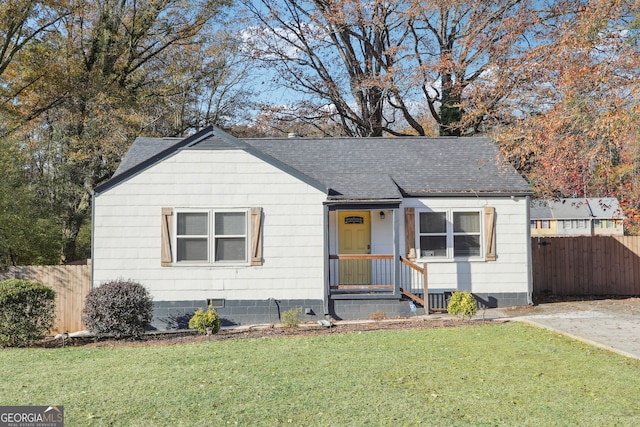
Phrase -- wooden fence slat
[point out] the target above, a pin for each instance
(635, 264)
(586, 269)
(599, 277)
(623, 261)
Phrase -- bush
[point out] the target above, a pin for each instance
(462, 304)
(201, 321)
(119, 308)
(27, 312)
(290, 318)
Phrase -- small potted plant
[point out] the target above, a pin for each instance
(205, 322)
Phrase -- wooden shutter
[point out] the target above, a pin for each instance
(166, 236)
(256, 236)
(410, 233)
(490, 233)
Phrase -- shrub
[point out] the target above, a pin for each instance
(201, 321)
(462, 304)
(27, 311)
(120, 308)
(291, 317)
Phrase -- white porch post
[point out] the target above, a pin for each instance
(396, 251)
(327, 288)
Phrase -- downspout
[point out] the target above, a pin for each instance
(93, 229)
(326, 293)
(529, 255)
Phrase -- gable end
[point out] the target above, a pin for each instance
(124, 176)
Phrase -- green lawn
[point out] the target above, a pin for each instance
(510, 374)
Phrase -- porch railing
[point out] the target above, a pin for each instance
(361, 273)
(373, 273)
(412, 277)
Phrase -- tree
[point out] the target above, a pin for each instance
(583, 137)
(23, 23)
(106, 72)
(205, 84)
(28, 232)
(370, 64)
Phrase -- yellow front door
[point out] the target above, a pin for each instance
(354, 238)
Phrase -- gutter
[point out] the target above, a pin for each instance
(529, 254)
(93, 227)
(470, 193)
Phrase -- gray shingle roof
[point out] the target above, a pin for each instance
(381, 167)
(143, 149)
(605, 208)
(576, 208)
(540, 209)
(364, 168)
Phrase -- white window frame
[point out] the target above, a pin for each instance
(450, 235)
(212, 237)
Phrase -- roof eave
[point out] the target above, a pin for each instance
(470, 193)
(362, 204)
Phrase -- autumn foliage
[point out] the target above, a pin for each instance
(581, 138)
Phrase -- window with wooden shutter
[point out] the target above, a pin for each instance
(211, 236)
(449, 234)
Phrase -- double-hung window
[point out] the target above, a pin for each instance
(449, 234)
(212, 236)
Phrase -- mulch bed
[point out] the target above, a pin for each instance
(624, 304)
(177, 337)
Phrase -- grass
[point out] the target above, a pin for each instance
(509, 374)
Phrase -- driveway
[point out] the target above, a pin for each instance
(613, 324)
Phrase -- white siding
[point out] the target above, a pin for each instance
(509, 273)
(127, 228)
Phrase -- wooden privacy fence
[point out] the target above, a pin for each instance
(71, 284)
(582, 266)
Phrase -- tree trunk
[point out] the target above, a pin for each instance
(450, 110)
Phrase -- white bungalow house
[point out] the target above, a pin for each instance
(335, 226)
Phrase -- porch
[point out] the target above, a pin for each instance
(360, 276)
